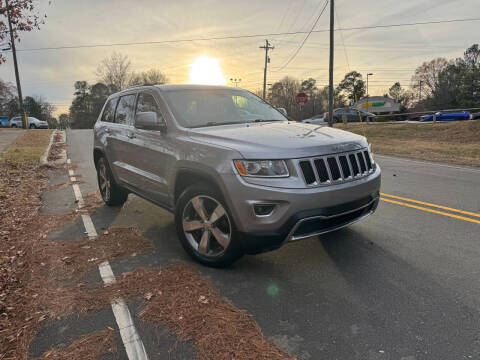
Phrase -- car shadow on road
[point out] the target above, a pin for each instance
(406, 307)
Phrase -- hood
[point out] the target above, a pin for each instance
(279, 140)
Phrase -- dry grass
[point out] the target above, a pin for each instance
(455, 143)
(91, 346)
(27, 148)
(35, 287)
(179, 297)
(67, 260)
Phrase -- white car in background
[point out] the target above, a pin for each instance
(33, 123)
(316, 119)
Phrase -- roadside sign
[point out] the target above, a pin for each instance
(301, 98)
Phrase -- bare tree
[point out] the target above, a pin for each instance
(152, 76)
(114, 71)
(7, 94)
(427, 75)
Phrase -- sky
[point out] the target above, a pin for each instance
(391, 54)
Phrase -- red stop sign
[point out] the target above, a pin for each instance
(301, 98)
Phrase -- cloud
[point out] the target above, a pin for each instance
(52, 73)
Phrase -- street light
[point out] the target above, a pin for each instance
(235, 81)
(368, 96)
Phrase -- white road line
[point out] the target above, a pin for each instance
(89, 227)
(420, 162)
(131, 340)
(78, 196)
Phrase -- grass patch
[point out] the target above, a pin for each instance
(455, 142)
(27, 148)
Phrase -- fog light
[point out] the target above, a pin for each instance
(263, 209)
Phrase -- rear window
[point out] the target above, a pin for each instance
(109, 111)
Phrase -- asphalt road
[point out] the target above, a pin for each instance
(402, 284)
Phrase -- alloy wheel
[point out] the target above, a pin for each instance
(104, 181)
(206, 226)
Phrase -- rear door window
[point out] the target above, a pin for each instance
(125, 110)
(109, 111)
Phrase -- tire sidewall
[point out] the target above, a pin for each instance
(232, 253)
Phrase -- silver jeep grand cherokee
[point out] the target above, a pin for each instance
(238, 175)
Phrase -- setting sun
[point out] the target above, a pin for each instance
(207, 71)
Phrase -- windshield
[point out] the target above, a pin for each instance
(211, 107)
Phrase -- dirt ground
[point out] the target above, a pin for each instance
(39, 279)
(453, 142)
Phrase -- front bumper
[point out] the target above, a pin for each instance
(299, 213)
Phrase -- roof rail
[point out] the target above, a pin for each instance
(139, 85)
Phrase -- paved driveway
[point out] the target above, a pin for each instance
(7, 136)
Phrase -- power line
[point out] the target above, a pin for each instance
(295, 53)
(231, 37)
(343, 40)
(285, 15)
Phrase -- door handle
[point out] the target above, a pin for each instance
(107, 130)
(131, 135)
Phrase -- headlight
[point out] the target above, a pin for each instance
(371, 153)
(262, 168)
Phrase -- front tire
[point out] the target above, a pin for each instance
(112, 194)
(205, 227)
(32, 126)
(13, 126)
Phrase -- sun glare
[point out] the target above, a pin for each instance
(207, 71)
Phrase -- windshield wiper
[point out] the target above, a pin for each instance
(212, 123)
(264, 120)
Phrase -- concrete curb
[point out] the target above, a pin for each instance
(63, 154)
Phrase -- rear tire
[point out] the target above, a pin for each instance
(32, 126)
(13, 126)
(112, 194)
(205, 227)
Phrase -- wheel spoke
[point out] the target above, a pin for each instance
(204, 244)
(217, 214)
(191, 225)
(198, 206)
(222, 238)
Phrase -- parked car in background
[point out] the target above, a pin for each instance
(238, 175)
(475, 116)
(317, 120)
(4, 121)
(464, 115)
(351, 114)
(33, 123)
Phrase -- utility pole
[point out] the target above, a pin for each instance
(267, 61)
(235, 81)
(17, 76)
(330, 68)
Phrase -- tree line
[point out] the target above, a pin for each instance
(114, 74)
(436, 84)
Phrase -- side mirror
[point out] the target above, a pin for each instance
(282, 111)
(149, 120)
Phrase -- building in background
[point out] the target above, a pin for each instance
(378, 105)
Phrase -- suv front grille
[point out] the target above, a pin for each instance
(335, 169)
